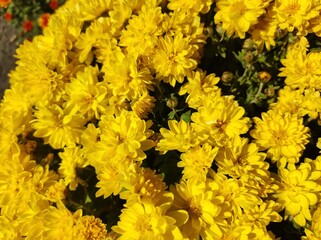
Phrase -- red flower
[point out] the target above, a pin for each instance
(54, 4)
(27, 25)
(43, 20)
(8, 16)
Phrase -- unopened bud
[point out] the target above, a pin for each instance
(269, 92)
(227, 77)
(248, 57)
(31, 147)
(172, 102)
(264, 77)
(248, 44)
(219, 29)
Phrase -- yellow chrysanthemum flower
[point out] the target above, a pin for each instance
(59, 223)
(142, 31)
(90, 228)
(237, 194)
(174, 58)
(237, 16)
(201, 215)
(300, 102)
(283, 136)
(299, 191)
(59, 37)
(242, 159)
(200, 86)
(144, 185)
(301, 70)
(292, 14)
(58, 126)
(38, 80)
(113, 177)
(87, 94)
(124, 136)
(180, 136)
(196, 162)
(146, 221)
(126, 78)
(261, 215)
(221, 119)
(264, 31)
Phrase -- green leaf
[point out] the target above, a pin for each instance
(171, 115)
(186, 117)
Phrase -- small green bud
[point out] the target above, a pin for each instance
(248, 44)
(269, 92)
(248, 57)
(172, 102)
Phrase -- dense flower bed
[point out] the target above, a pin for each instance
(28, 17)
(176, 119)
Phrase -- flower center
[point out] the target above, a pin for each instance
(143, 224)
(194, 210)
(292, 8)
(237, 10)
(280, 136)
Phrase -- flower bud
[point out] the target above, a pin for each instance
(248, 44)
(269, 92)
(219, 29)
(227, 77)
(248, 57)
(172, 102)
(264, 76)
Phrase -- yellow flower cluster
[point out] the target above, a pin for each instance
(84, 96)
(263, 19)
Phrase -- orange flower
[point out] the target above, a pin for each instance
(4, 3)
(53, 4)
(43, 20)
(8, 16)
(27, 25)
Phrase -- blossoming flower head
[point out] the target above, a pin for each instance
(146, 221)
(174, 58)
(202, 211)
(180, 136)
(295, 14)
(283, 135)
(87, 94)
(200, 86)
(124, 136)
(142, 31)
(237, 16)
(242, 158)
(221, 119)
(144, 185)
(196, 162)
(299, 190)
(89, 227)
(59, 127)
